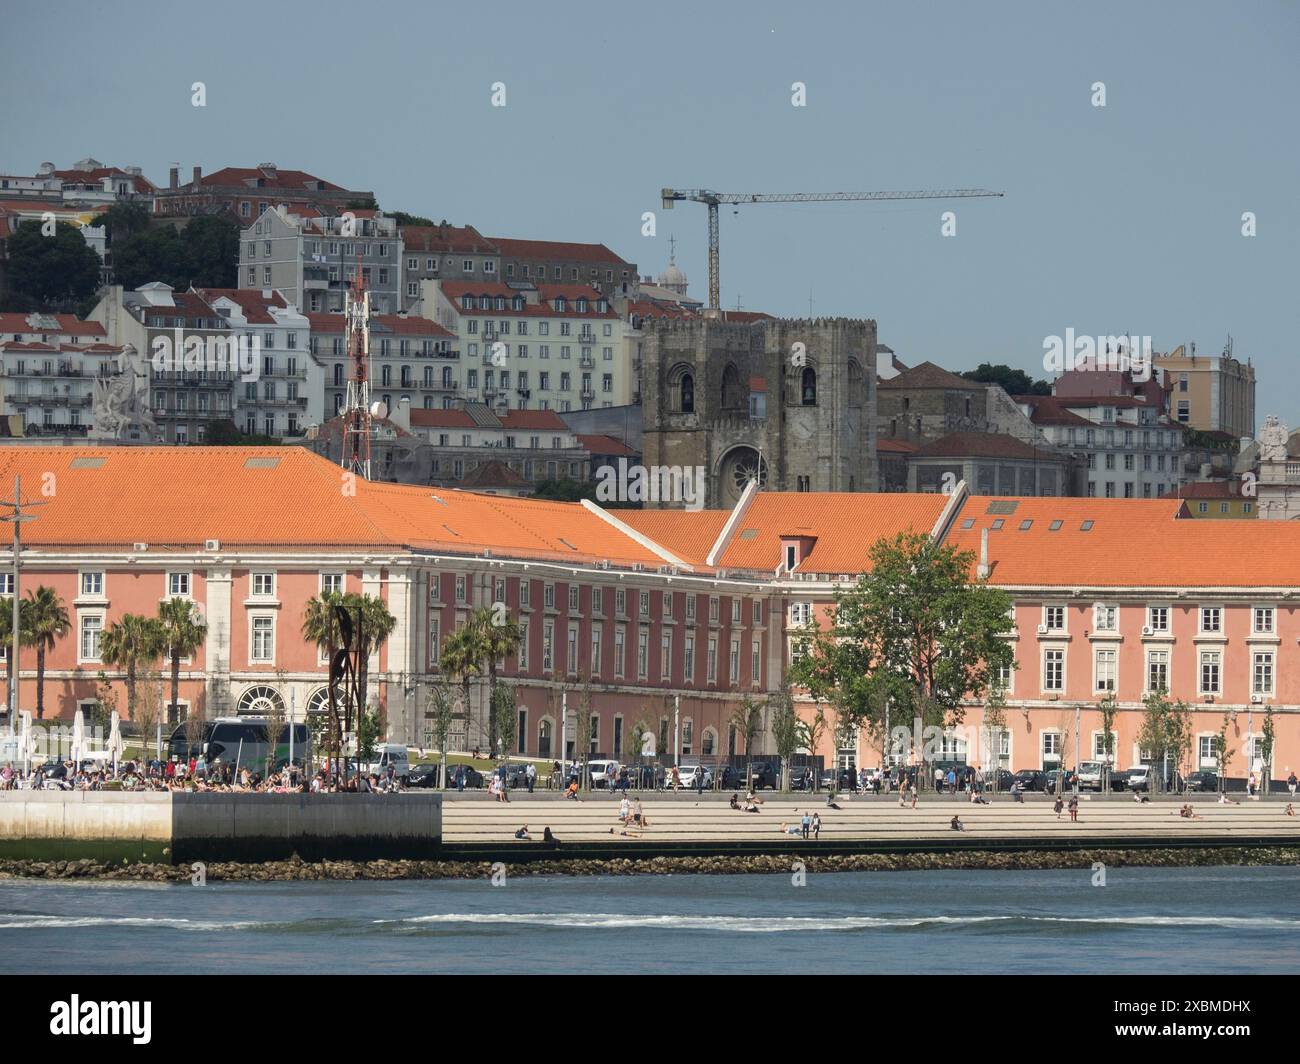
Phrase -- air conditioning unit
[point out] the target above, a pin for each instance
(140, 547)
(1042, 629)
(1256, 699)
(1148, 630)
(1054, 697)
(212, 544)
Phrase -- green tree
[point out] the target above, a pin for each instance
(404, 219)
(128, 644)
(747, 718)
(788, 731)
(123, 220)
(211, 252)
(1222, 752)
(1013, 381)
(149, 255)
(224, 433)
(376, 625)
(583, 715)
(6, 638)
(462, 658)
(56, 272)
(370, 729)
(1165, 731)
(1267, 740)
(181, 633)
(1108, 707)
(500, 636)
(47, 623)
(995, 724)
(506, 713)
(915, 634)
(439, 711)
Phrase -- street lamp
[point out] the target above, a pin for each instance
(17, 517)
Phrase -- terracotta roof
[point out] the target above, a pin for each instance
(445, 240)
(493, 473)
(928, 375)
(69, 325)
(547, 293)
(890, 445)
(441, 419)
(1048, 410)
(605, 445)
(255, 306)
(982, 445)
(534, 419)
(689, 534)
(556, 251)
(290, 180)
(402, 325)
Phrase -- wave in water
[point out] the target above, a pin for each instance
(777, 924)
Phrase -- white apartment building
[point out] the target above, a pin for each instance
(50, 363)
(523, 346)
(285, 392)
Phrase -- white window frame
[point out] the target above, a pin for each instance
(174, 575)
(253, 620)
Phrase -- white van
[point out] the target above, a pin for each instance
(390, 754)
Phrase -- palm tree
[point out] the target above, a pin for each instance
(180, 634)
(498, 640)
(462, 657)
(46, 622)
(129, 643)
(377, 625)
(6, 640)
(320, 625)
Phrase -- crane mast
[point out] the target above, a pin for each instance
(713, 199)
(357, 417)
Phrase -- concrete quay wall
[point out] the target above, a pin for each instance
(178, 827)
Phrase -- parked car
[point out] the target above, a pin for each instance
(1119, 779)
(1202, 780)
(763, 774)
(1138, 778)
(473, 777)
(729, 777)
(801, 779)
(1031, 779)
(602, 773)
(1090, 773)
(425, 774)
(690, 774)
(999, 779)
(515, 773)
(1064, 778)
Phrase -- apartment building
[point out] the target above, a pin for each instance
(445, 252)
(285, 392)
(311, 258)
(1210, 393)
(564, 262)
(50, 363)
(541, 347)
(246, 193)
(411, 358)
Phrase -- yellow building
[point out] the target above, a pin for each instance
(1210, 393)
(1215, 499)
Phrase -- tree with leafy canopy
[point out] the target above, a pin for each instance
(55, 272)
(788, 731)
(439, 711)
(1012, 381)
(1108, 707)
(1166, 731)
(1267, 741)
(995, 723)
(181, 633)
(506, 712)
(747, 718)
(583, 715)
(915, 634)
(1223, 753)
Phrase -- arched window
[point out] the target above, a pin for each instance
(260, 701)
(686, 394)
(856, 395)
(808, 387)
(709, 742)
(544, 729)
(733, 395)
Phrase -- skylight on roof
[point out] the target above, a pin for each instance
(1002, 506)
(266, 462)
(1026, 524)
(968, 523)
(1086, 527)
(87, 463)
(749, 533)
(998, 524)
(1055, 526)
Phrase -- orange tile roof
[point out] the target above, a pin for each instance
(555, 249)
(69, 325)
(689, 534)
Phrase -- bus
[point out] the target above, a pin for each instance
(239, 740)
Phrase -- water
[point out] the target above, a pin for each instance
(1230, 920)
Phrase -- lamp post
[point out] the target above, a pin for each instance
(17, 517)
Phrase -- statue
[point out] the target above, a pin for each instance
(120, 407)
(1272, 440)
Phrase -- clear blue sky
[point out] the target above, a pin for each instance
(1123, 218)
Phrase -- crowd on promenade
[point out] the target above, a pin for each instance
(195, 775)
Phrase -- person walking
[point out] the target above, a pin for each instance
(817, 825)
(1074, 809)
(1057, 806)
(806, 824)
(531, 774)
(1291, 784)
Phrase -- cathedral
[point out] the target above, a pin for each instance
(743, 396)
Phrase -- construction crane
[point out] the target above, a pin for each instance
(712, 199)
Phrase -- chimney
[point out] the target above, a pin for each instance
(175, 177)
(982, 571)
(198, 174)
(401, 417)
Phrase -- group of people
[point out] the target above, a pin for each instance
(809, 826)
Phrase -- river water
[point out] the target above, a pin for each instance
(1230, 920)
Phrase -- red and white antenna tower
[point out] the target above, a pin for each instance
(358, 422)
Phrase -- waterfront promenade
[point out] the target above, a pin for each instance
(687, 818)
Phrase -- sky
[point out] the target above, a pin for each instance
(1125, 218)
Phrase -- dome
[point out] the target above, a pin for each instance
(671, 276)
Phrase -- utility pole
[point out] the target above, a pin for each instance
(17, 516)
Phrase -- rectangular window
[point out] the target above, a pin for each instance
(462, 592)
(1262, 676)
(620, 650)
(332, 583)
(755, 662)
(644, 604)
(1105, 670)
(1263, 620)
(92, 584)
(620, 602)
(525, 593)
(1157, 670)
(735, 661)
(264, 585)
(713, 609)
(643, 654)
(435, 638)
(713, 658)
(548, 596)
(178, 584)
(666, 655)
(573, 598)
(1158, 618)
(598, 600)
(1209, 672)
(263, 639)
(548, 646)
(573, 650)
(690, 608)
(523, 646)
(1054, 618)
(594, 666)
(92, 628)
(800, 614)
(688, 659)
(668, 603)
(1105, 618)
(1051, 748)
(1054, 670)
(1211, 619)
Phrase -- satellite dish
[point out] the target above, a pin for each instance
(377, 409)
